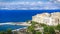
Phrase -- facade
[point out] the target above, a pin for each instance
(46, 18)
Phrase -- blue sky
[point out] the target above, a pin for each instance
(21, 0)
(29, 4)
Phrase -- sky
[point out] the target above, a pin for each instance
(21, 0)
(29, 4)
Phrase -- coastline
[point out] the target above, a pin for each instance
(20, 23)
(19, 29)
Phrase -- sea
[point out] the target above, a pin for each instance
(11, 27)
(19, 16)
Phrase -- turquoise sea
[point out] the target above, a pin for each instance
(12, 27)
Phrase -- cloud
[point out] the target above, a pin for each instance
(29, 5)
(58, 0)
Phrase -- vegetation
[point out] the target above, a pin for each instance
(37, 32)
(47, 29)
(9, 31)
(42, 25)
(2, 32)
(58, 27)
(31, 29)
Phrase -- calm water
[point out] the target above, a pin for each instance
(13, 27)
(20, 15)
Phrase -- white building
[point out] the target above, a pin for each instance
(46, 18)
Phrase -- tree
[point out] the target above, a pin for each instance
(45, 29)
(33, 23)
(42, 24)
(58, 27)
(49, 30)
(31, 28)
(46, 33)
(2, 32)
(37, 32)
(9, 31)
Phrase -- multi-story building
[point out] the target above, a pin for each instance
(46, 18)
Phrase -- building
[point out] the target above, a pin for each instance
(46, 18)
